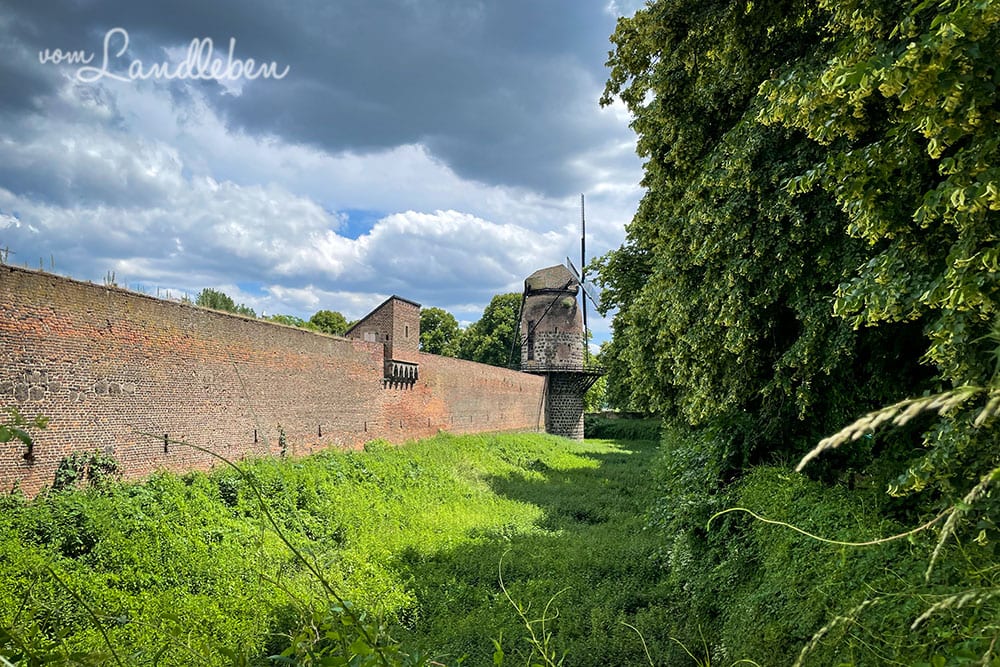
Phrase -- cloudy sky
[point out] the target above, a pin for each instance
(434, 149)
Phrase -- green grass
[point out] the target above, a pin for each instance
(620, 428)
(586, 546)
(185, 570)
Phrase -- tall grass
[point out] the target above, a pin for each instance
(186, 569)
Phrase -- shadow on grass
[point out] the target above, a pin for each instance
(591, 553)
(616, 490)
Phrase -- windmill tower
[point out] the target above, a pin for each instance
(552, 344)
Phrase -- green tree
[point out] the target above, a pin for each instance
(820, 215)
(329, 321)
(218, 300)
(490, 340)
(907, 110)
(723, 286)
(906, 106)
(439, 332)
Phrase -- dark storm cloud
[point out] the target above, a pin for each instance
(502, 91)
(494, 90)
(24, 86)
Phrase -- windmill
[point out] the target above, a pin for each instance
(569, 281)
(553, 335)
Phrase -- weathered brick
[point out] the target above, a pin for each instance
(132, 368)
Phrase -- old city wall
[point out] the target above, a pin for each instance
(127, 374)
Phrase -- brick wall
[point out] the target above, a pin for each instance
(116, 371)
(404, 343)
(374, 327)
(396, 324)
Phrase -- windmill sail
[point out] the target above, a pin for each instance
(590, 289)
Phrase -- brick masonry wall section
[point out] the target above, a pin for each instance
(396, 324)
(376, 326)
(116, 371)
(466, 397)
(404, 344)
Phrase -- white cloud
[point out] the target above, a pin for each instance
(148, 180)
(7, 220)
(624, 7)
(309, 299)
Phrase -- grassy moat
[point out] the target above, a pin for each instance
(187, 569)
(495, 549)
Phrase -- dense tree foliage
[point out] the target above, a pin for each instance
(494, 339)
(439, 332)
(819, 237)
(907, 112)
(724, 285)
(212, 298)
(329, 321)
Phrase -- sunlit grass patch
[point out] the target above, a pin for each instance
(414, 533)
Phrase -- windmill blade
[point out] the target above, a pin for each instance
(589, 289)
(572, 269)
(593, 293)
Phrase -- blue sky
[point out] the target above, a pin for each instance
(434, 149)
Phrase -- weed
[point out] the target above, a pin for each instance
(539, 638)
(201, 568)
(96, 468)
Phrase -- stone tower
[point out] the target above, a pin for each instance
(552, 345)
